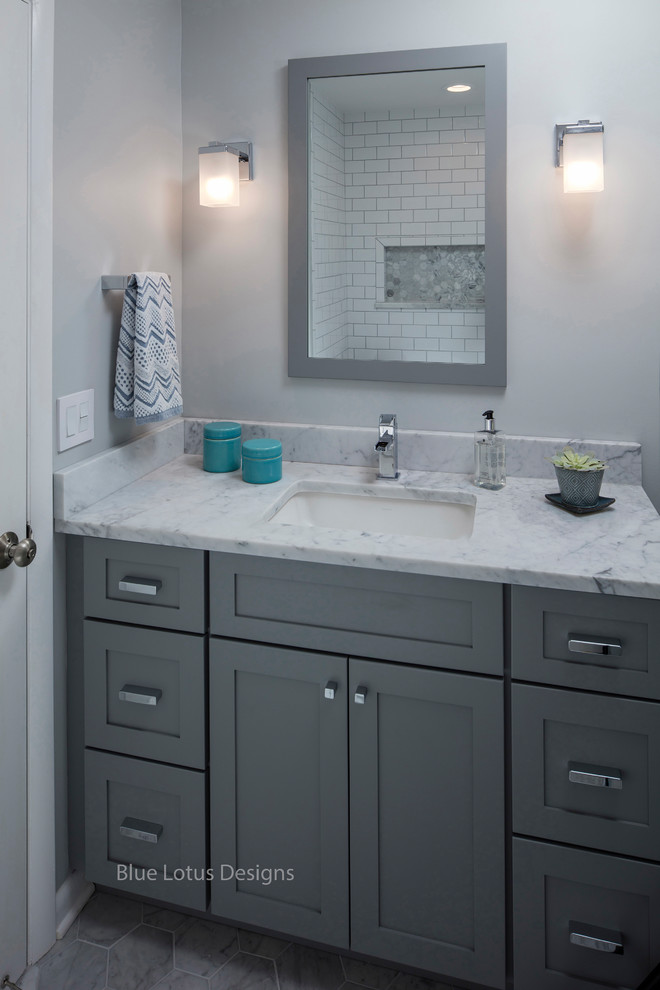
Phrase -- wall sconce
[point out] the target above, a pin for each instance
(579, 151)
(221, 167)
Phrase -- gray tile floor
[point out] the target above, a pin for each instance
(118, 944)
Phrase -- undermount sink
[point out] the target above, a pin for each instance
(408, 512)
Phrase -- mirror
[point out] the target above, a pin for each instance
(397, 237)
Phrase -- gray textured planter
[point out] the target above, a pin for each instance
(579, 487)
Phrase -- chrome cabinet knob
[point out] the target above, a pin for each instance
(360, 694)
(20, 552)
(330, 690)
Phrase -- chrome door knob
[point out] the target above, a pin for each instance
(21, 552)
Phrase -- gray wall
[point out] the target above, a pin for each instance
(582, 297)
(117, 184)
(117, 209)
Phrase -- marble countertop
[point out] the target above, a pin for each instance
(518, 536)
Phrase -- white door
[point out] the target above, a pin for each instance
(14, 95)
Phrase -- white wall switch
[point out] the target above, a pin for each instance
(75, 419)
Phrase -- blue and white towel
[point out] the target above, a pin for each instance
(147, 382)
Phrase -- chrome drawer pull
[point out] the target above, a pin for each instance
(603, 648)
(579, 936)
(135, 828)
(140, 586)
(330, 690)
(585, 773)
(360, 694)
(140, 695)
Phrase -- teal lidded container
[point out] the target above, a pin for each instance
(262, 461)
(222, 446)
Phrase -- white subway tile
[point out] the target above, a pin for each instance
(368, 127)
(426, 137)
(376, 140)
(443, 175)
(425, 216)
(389, 152)
(426, 188)
(389, 126)
(411, 229)
(413, 125)
(376, 216)
(389, 203)
(364, 154)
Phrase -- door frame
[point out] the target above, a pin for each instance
(40, 667)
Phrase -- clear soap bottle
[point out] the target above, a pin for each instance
(489, 455)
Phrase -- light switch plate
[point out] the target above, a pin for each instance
(75, 419)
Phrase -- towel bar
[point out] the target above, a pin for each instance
(109, 282)
(113, 282)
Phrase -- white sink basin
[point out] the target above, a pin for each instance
(410, 512)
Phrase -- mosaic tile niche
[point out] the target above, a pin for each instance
(441, 277)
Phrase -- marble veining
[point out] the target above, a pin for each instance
(425, 450)
(518, 536)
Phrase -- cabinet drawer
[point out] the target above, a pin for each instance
(583, 640)
(149, 817)
(582, 920)
(439, 622)
(585, 769)
(146, 584)
(144, 693)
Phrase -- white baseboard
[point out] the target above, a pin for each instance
(70, 899)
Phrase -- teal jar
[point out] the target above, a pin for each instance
(222, 447)
(262, 461)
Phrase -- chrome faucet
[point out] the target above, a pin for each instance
(386, 447)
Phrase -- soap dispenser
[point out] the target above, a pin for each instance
(489, 455)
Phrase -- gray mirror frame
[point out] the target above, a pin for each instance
(301, 70)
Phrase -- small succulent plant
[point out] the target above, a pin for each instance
(570, 459)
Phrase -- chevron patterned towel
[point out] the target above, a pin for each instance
(147, 383)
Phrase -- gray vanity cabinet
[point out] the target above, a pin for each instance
(585, 769)
(279, 789)
(427, 819)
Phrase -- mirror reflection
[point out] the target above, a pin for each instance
(397, 216)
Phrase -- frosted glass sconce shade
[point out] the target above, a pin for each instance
(579, 151)
(221, 167)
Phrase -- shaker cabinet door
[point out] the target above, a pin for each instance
(278, 744)
(427, 814)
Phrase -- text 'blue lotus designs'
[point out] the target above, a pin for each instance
(147, 380)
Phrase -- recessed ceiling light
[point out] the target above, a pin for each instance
(458, 88)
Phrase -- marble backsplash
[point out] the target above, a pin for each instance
(423, 450)
(89, 480)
